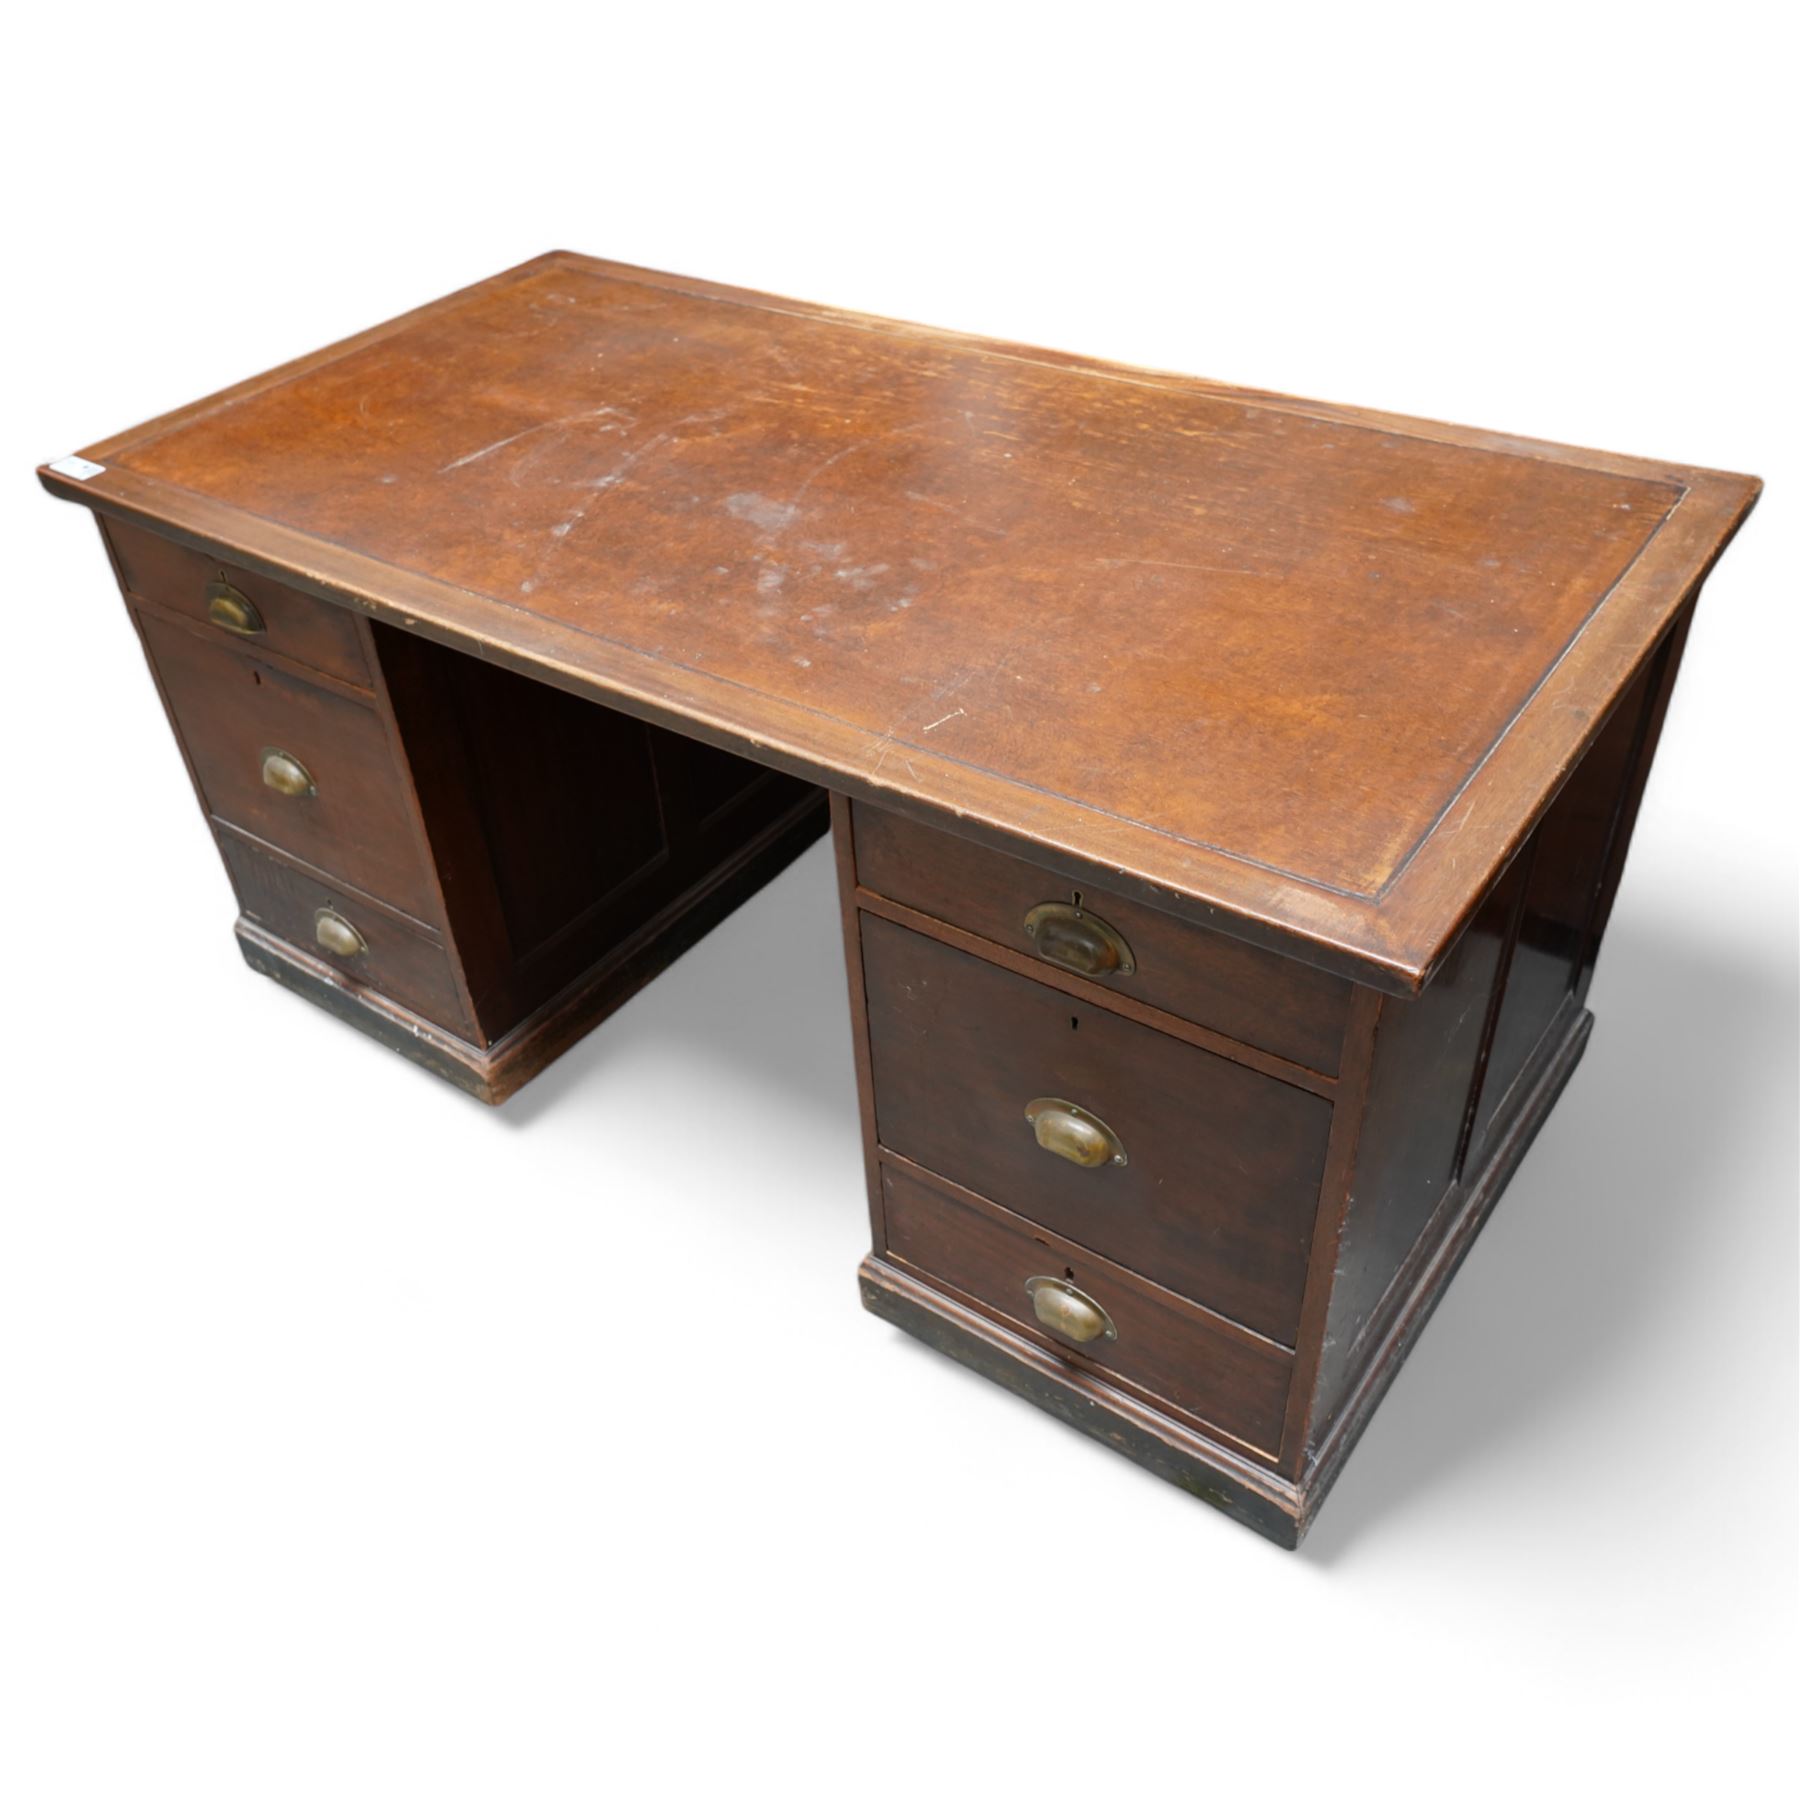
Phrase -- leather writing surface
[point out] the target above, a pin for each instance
(1315, 667)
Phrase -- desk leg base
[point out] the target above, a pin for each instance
(373, 1014)
(494, 1073)
(1253, 1495)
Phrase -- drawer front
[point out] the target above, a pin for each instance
(256, 612)
(232, 710)
(1167, 1350)
(1218, 1191)
(1252, 995)
(407, 965)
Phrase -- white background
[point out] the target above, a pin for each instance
(355, 1440)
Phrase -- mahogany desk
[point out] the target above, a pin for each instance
(1229, 791)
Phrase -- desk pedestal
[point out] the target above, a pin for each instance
(470, 866)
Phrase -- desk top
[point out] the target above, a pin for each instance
(1305, 671)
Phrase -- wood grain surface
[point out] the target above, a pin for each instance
(1313, 670)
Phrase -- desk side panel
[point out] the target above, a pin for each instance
(1455, 1069)
(564, 831)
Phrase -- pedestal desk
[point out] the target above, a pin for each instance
(1229, 791)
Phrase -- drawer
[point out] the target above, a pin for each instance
(1163, 1348)
(406, 963)
(1287, 1008)
(1220, 1184)
(231, 709)
(268, 615)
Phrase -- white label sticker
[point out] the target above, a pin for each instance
(77, 468)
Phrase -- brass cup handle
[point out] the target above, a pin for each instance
(232, 611)
(287, 775)
(1075, 1134)
(1062, 1307)
(333, 932)
(1074, 939)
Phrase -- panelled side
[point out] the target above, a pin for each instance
(1455, 1070)
(567, 834)
(1579, 840)
(1425, 1071)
